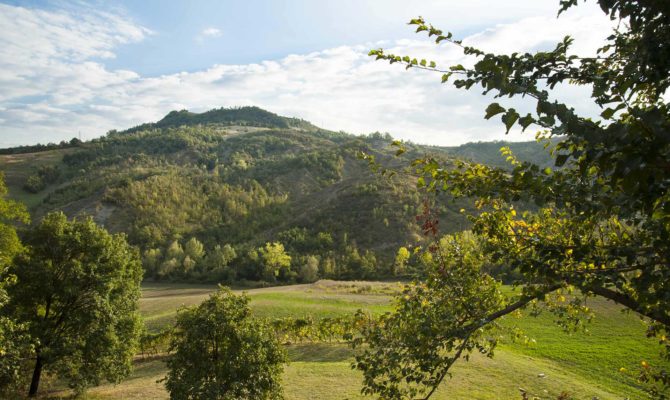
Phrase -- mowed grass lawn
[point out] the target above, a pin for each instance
(583, 365)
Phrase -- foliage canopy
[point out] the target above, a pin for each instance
(77, 287)
(220, 352)
(602, 224)
(14, 340)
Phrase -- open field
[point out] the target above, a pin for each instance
(584, 365)
(160, 302)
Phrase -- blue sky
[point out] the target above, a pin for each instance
(70, 67)
(244, 32)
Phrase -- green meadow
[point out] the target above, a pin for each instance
(583, 365)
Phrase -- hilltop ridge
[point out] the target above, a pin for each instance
(245, 116)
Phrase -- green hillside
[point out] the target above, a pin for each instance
(201, 195)
(489, 152)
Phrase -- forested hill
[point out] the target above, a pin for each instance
(489, 152)
(229, 193)
(251, 116)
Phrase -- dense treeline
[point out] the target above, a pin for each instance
(74, 142)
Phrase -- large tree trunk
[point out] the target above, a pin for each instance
(37, 372)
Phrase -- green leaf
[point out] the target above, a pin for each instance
(608, 113)
(561, 159)
(510, 117)
(493, 109)
(526, 121)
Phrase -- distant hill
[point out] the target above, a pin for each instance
(201, 194)
(489, 152)
(245, 116)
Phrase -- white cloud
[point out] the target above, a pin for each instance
(52, 84)
(211, 32)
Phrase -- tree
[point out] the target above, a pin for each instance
(221, 352)
(425, 336)
(309, 271)
(274, 259)
(194, 249)
(11, 212)
(218, 262)
(188, 264)
(401, 258)
(603, 219)
(151, 259)
(175, 251)
(15, 342)
(77, 287)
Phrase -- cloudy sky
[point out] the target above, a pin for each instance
(70, 68)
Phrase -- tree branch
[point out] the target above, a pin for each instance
(468, 330)
(627, 301)
(512, 307)
(449, 364)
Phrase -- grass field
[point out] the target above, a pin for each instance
(159, 302)
(584, 365)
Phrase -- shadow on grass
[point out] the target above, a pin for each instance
(319, 352)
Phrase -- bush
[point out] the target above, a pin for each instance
(34, 184)
(49, 173)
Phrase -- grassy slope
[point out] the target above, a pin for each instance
(18, 167)
(583, 365)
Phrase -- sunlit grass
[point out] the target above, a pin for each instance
(584, 365)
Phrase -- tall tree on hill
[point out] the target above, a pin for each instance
(603, 219)
(77, 287)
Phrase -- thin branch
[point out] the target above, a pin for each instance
(449, 364)
(471, 328)
(627, 301)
